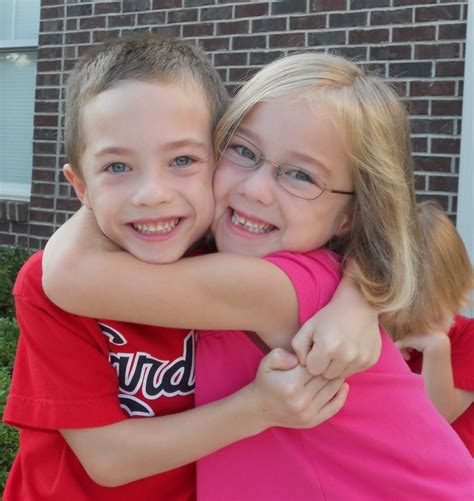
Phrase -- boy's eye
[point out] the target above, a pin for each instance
(244, 152)
(182, 161)
(117, 168)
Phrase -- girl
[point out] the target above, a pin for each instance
(439, 344)
(314, 155)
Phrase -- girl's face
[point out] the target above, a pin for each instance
(255, 214)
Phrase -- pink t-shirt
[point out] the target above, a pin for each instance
(388, 442)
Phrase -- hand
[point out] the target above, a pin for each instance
(433, 342)
(291, 397)
(342, 338)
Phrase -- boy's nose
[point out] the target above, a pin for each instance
(153, 190)
(259, 184)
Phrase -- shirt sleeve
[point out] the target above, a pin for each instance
(462, 353)
(62, 377)
(315, 277)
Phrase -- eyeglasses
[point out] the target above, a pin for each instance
(296, 180)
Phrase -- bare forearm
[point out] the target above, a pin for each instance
(438, 375)
(138, 448)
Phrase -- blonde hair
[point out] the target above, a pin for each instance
(146, 57)
(383, 241)
(447, 274)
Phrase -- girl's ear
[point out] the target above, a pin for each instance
(77, 183)
(345, 223)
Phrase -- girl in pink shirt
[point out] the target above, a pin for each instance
(314, 154)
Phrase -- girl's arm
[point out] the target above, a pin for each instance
(283, 394)
(437, 372)
(343, 337)
(217, 291)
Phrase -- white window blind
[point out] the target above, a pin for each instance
(19, 26)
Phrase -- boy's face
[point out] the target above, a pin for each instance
(147, 167)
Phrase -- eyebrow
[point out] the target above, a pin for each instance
(298, 156)
(120, 150)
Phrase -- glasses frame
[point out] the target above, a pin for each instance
(277, 172)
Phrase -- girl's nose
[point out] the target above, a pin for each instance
(259, 184)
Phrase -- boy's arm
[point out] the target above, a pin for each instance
(283, 394)
(437, 372)
(218, 291)
(342, 338)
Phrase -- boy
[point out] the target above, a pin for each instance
(140, 116)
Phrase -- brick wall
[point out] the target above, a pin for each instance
(418, 44)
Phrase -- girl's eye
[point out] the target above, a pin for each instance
(245, 152)
(182, 161)
(117, 168)
(300, 175)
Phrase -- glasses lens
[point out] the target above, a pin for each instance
(300, 182)
(241, 155)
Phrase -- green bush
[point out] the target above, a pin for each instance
(8, 435)
(11, 260)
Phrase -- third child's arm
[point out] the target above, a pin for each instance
(437, 372)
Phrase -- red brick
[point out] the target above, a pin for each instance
(437, 13)
(445, 145)
(198, 30)
(449, 69)
(232, 27)
(269, 24)
(288, 7)
(432, 164)
(368, 36)
(431, 126)
(136, 5)
(399, 16)
(215, 43)
(390, 52)
(249, 42)
(90, 23)
(327, 5)
(173, 4)
(443, 183)
(79, 10)
(437, 51)
(212, 13)
(348, 19)
(52, 12)
(182, 16)
(448, 107)
(314, 22)
(151, 18)
(252, 10)
(107, 8)
(414, 33)
(287, 40)
(433, 88)
(452, 31)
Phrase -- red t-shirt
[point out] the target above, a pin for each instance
(461, 335)
(76, 372)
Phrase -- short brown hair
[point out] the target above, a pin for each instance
(146, 58)
(447, 276)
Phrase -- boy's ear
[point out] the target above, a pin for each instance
(77, 183)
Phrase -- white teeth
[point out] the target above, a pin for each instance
(150, 229)
(249, 226)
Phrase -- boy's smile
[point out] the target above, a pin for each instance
(256, 214)
(147, 167)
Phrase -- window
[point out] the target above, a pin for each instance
(19, 27)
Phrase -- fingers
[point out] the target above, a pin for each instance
(302, 343)
(334, 405)
(279, 359)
